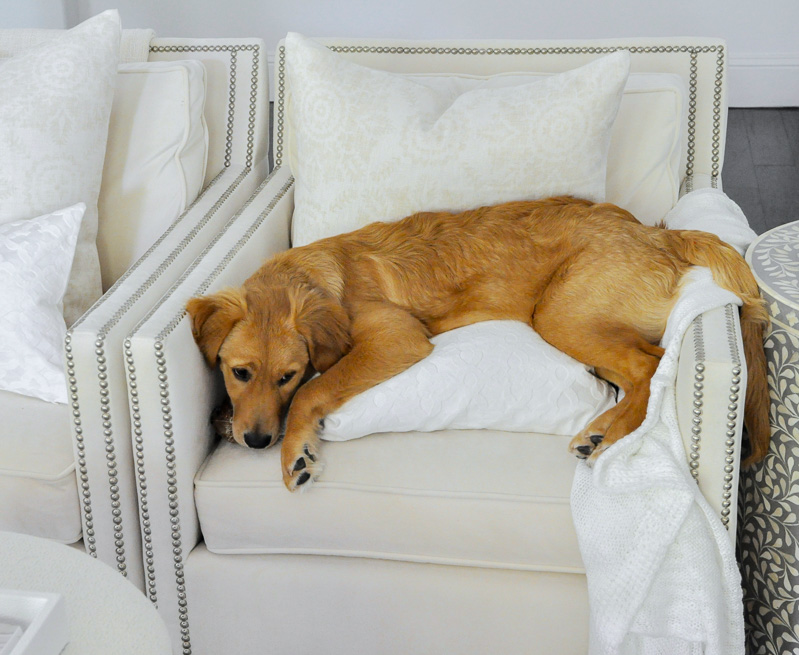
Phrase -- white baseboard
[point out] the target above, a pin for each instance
(756, 80)
(764, 80)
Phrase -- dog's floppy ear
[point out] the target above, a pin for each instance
(212, 318)
(324, 325)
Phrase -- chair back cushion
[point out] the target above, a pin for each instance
(685, 102)
(155, 158)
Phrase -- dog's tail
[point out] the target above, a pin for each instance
(731, 271)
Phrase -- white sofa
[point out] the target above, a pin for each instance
(67, 471)
(456, 542)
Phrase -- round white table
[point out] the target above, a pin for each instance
(105, 612)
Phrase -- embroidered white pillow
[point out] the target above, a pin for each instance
(35, 258)
(372, 145)
(55, 101)
(496, 374)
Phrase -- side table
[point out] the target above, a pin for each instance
(768, 523)
(106, 613)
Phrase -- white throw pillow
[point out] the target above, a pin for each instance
(55, 100)
(35, 258)
(496, 374)
(645, 142)
(373, 145)
(155, 158)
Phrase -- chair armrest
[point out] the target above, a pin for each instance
(710, 390)
(173, 391)
(699, 181)
(96, 372)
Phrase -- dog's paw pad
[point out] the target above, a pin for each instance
(587, 445)
(302, 469)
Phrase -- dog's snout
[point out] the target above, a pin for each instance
(257, 440)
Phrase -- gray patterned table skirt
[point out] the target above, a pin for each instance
(768, 522)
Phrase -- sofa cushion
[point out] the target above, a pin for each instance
(372, 145)
(38, 489)
(55, 101)
(478, 498)
(155, 158)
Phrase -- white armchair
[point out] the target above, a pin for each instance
(479, 558)
(73, 476)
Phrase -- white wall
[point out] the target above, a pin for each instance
(761, 36)
(48, 14)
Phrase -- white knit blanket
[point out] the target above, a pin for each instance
(662, 576)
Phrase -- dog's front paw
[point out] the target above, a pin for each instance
(301, 464)
(588, 445)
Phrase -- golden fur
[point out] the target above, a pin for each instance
(360, 307)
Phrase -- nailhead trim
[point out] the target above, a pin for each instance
(166, 411)
(144, 511)
(732, 416)
(85, 492)
(698, 402)
(233, 50)
(693, 51)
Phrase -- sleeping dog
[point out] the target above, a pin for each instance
(360, 307)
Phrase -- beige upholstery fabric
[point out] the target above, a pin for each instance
(470, 497)
(353, 606)
(38, 491)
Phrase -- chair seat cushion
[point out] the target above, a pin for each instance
(38, 487)
(467, 497)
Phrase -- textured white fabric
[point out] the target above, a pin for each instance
(35, 259)
(644, 154)
(373, 145)
(711, 210)
(662, 576)
(55, 100)
(155, 158)
(495, 374)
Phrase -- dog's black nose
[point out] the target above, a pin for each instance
(257, 440)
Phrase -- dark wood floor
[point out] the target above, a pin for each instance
(761, 165)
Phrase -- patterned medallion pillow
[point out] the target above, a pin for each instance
(35, 258)
(373, 145)
(55, 101)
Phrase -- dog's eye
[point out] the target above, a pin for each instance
(241, 374)
(286, 378)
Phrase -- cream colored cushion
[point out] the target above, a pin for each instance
(155, 158)
(38, 490)
(373, 145)
(55, 101)
(482, 498)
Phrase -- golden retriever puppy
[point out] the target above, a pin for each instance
(360, 307)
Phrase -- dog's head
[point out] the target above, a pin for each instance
(268, 341)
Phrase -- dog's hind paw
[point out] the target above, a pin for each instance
(303, 468)
(587, 445)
